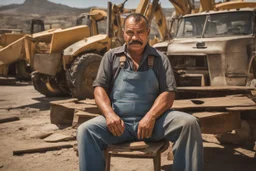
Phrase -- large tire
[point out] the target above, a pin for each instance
(46, 85)
(81, 74)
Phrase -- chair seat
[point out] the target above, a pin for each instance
(124, 150)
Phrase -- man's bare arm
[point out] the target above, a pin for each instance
(114, 122)
(163, 102)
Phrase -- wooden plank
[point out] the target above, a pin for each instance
(88, 101)
(62, 111)
(123, 150)
(82, 116)
(9, 119)
(247, 108)
(216, 88)
(63, 101)
(77, 105)
(60, 115)
(218, 102)
(86, 114)
(218, 122)
(201, 115)
(41, 149)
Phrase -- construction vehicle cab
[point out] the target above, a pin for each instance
(214, 48)
(95, 19)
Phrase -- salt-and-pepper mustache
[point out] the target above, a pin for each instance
(135, 42)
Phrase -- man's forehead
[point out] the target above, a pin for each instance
(135, 20)
(131, 22)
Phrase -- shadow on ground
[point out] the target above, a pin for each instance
(43, 103)
(229, 158)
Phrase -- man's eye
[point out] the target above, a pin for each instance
(129, 33)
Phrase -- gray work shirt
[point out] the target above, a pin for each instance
(110, 65)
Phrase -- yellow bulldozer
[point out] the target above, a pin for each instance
(66, 61)
(13, 61)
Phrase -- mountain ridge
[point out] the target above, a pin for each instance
(45, 8)
(40, 7)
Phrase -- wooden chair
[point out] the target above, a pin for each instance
(152, 150)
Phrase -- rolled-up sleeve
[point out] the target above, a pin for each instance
(104, 74)
(165, 75)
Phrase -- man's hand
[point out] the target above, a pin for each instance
(115, 124)
(146, 126)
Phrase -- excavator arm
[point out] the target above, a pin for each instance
(183, 7)
(154, 11)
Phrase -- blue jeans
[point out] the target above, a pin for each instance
(181, 128)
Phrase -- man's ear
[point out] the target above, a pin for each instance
(148, 31)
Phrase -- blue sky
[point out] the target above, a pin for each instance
(89, 3)
(100, 3)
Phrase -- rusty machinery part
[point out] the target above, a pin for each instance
(46, 85)
(19, 70)
(22, 71)
(82, 73)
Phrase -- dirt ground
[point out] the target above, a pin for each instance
(33, 109)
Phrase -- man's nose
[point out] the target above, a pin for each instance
(135, 36)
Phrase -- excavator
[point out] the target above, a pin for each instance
(66, 61)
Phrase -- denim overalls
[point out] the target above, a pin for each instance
(132, 96)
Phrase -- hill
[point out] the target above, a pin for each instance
(40, 7)
(18, 16)
(46, 8)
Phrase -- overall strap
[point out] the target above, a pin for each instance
(150, 62)
(122, 61)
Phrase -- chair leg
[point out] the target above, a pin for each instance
(157, 162)
(108, 161)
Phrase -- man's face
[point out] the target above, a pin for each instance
(136, 34)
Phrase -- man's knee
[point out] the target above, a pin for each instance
(83, 128)
(88, 126)
(185, 119)
(190, 120)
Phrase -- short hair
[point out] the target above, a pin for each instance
(137, 17)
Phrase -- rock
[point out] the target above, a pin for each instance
(42, 135)
(57, 153)
(58, 137)
(22, 128)
(49, 127)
